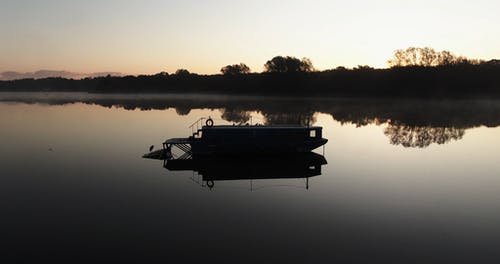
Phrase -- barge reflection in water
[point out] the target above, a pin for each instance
(249, 167)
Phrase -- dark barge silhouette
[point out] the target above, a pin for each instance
(245, 152)
(244, 139)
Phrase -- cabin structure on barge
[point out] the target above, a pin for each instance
(245, 139)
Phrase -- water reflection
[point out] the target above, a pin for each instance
(212, 169)
(421, 136)
(371, 199)
(415, 123)
(236, 116)
(300, 118)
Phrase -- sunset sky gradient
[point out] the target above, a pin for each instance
(137, 37)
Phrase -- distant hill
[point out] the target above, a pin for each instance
(41, 74)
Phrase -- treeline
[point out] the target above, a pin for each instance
(414, 72)
(411, 112)
(406, 122)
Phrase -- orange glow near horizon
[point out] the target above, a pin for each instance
(134, 37)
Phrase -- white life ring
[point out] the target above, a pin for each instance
(209, 122)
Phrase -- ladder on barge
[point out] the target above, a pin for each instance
(184, 144)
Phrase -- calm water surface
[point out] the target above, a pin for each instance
(403, 183)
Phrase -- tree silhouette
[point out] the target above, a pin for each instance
(280, 64)
(182, 110)
(235, 69)
(492, 63)
(421, 136)
(427, 57)
(447, 58)
(161, 74)
(298, 118)
(364, 68)
(413, 56)
(237, 116)
(182, 72)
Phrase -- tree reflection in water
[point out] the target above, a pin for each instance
(421, 136)
(274, 118)
(407, 122)
(305, 119)
(409, 136)
(236, 116)
(182, 111)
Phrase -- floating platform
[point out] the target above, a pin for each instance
(245, 152)
(246, 139)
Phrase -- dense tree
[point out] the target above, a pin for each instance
(288, 64)
(162, 74)
(421, 136)
(448, 76)
(182, 72)
(237, 116)
(300, 118)
(235, 69)
(341, 68)
(183, 110)
(363, 68)
(427, 57)
(493, 63)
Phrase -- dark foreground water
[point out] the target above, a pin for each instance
(406, 182)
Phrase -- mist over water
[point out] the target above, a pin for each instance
(405, 181)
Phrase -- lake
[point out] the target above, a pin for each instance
(406, 181)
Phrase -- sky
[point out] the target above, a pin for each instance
(150, 36)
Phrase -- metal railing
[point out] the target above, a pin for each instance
(197, 124)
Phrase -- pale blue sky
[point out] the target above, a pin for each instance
(202, 36)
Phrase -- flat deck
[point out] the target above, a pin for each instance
(178, 141)
(261, 127)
